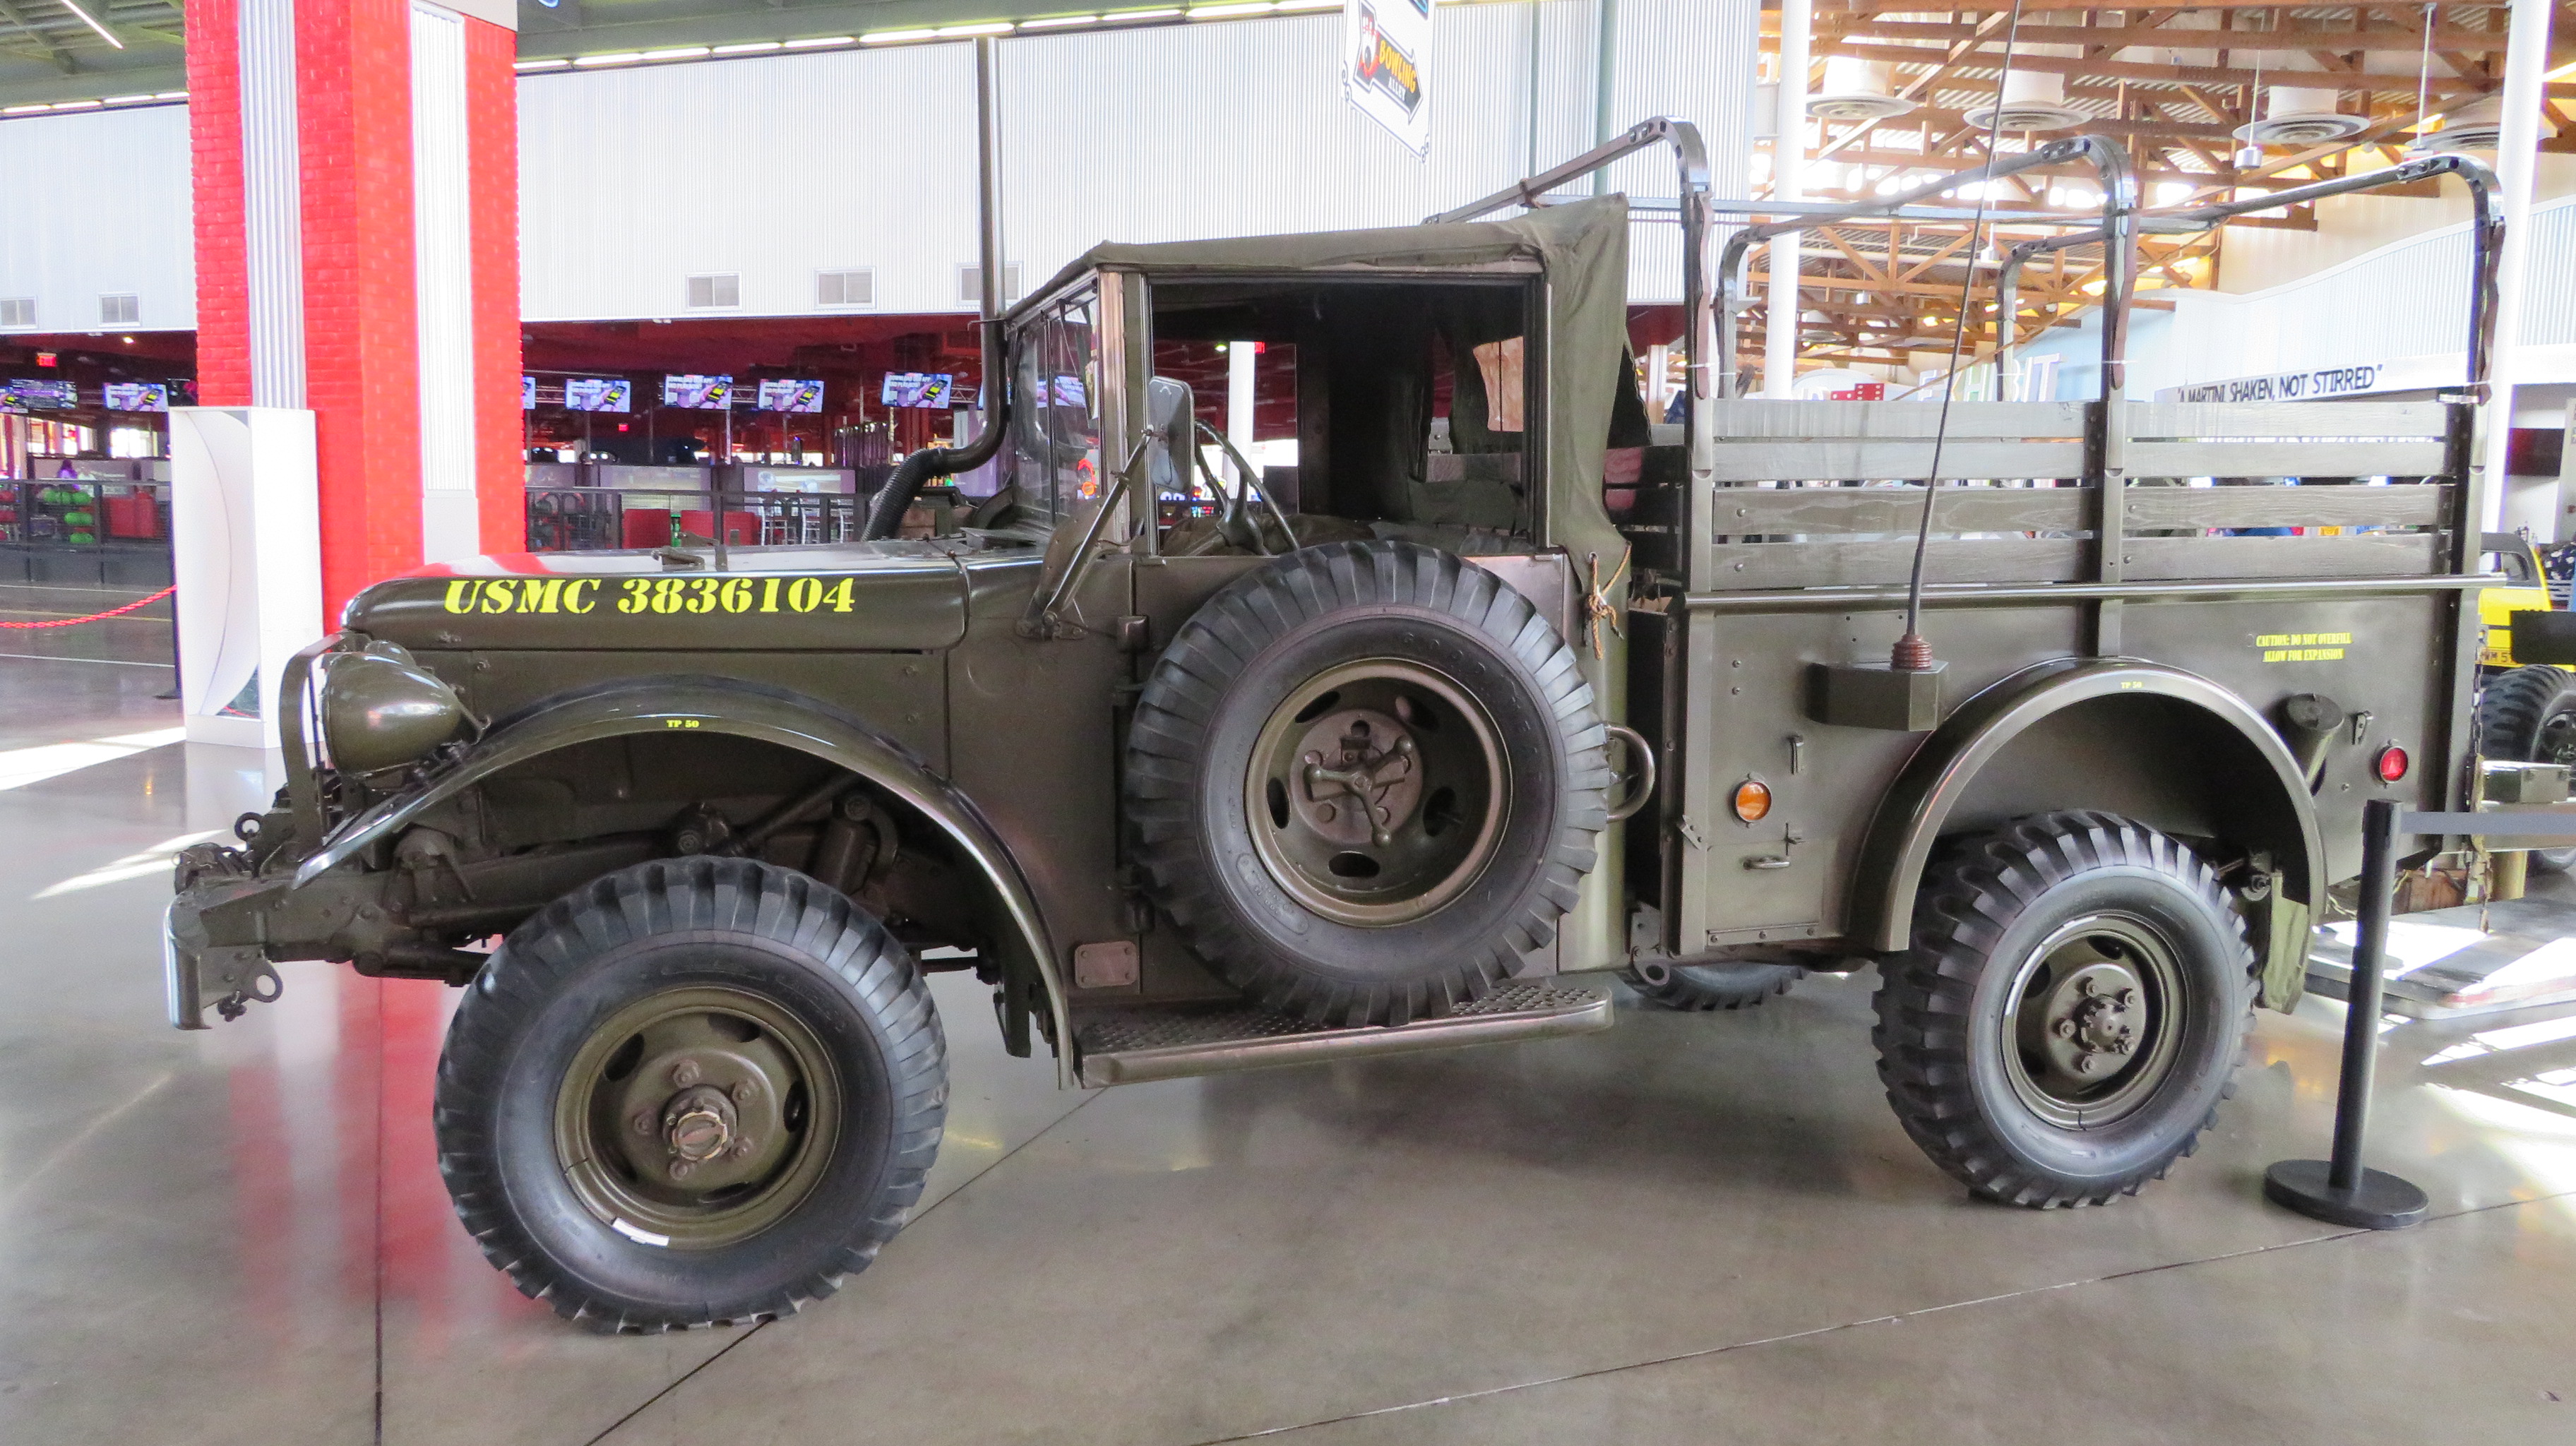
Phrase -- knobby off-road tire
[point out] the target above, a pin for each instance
(1702, 987)
(1364, 780)
(2004, 1040)
(692, 1092)
(2529, 716)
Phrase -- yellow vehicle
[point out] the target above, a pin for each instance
(2529, 592)
(2526, 711)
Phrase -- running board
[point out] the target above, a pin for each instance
(1133, 1046)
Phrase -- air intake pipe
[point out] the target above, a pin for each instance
(885, 512)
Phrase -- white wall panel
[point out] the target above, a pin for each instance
(632, 180)
(99, 206)
(2406, 300)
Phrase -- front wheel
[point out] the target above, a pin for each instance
(692, 1092)
(2071, 1011)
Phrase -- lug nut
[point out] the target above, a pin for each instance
(685, 1073)
(743, 1091)
(2066, 1029)
(2083, 1064)
(644, 1123)
(742, 1147)
(680, 1169)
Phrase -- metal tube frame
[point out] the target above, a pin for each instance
(2119, 220)
(2486, 244)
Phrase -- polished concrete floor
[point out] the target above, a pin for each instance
(1688, 1229)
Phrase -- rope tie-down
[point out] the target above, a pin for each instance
(94, 617)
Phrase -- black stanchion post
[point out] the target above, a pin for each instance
(2342, 1190)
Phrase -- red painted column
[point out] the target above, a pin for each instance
(360, 370)
(361, 335)
(215, 162)
(500, 433)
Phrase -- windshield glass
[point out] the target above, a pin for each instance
(1056, 440)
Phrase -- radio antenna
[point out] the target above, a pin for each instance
(1913, 652)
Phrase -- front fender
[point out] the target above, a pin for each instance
(743, 710)
(1917, 808)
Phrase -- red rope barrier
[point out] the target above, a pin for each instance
(94, 617)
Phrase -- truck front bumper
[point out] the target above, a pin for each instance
(197, 972)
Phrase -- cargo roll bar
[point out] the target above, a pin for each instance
(2119, 223)
(2486, 246)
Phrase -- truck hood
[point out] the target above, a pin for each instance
(861, 597)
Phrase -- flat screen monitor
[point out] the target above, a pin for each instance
(791, 396)
(527, 392)
(137, 397)
(918, 389)
(23, 394)
(606, 394)
(713, 394)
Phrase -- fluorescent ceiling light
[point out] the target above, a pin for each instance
(1052, 21)
(1121, 17)
(557, 63)
(126, 99)
(819, 42)
(980, 27)
(1228, 12)
(1286, 6)
(618, 57)
(170, 95)
(748, 47)
(76, 105)
(680, 52)
(92, 22)
(896, 37)
(24, 109)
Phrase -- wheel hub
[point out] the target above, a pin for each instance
(2092, 1027)
(2093, 1017)
(1361, 779)
(1376, 792)
(696, 1116)
(706, 1112)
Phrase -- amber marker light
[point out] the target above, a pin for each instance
(1752, 800)
(2391, 764)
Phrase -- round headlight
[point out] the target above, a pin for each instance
(381, 710)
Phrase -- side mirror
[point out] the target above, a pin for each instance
(1172, 411)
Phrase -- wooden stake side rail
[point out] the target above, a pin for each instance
(1829, 494)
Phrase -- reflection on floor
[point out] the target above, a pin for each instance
(1688, 1229)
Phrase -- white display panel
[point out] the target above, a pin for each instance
(246, 552)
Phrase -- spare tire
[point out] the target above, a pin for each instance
(1364, 781)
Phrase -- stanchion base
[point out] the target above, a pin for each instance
(2380, 1202)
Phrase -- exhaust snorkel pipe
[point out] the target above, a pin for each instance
(885, 511)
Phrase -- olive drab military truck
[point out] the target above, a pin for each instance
(1398, 749)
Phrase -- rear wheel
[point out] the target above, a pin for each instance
(1731, 985)
(695, 1091)
(2074, 1003)
(2529, 716)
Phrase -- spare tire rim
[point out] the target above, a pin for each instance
(2091, 1027)
(696, 1118)
(1377, 792)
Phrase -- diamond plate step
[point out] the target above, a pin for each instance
(1136, 1045)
